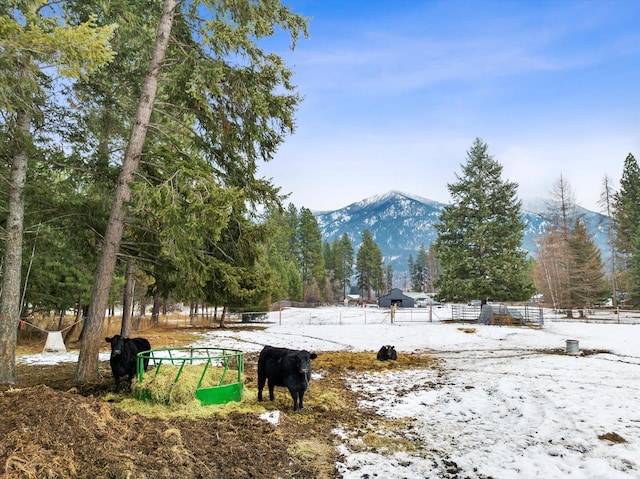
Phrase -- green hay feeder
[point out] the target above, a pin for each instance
(210, 375)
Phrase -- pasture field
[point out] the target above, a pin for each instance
(51, 428)
(461, 401)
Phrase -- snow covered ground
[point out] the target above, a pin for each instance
(511, 403)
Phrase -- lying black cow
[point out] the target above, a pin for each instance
(387, 352)
(123, 356)
(285, 367)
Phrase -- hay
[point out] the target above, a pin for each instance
(161, 386)
(467, 330)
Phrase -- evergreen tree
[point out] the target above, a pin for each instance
(32, 42)
(282, 254)
(626, 206)
(480, 235)
(236, 109)
(328, 253)
(411, 267)
(419, 271)
(236, 265)
(388, 278)
(343, 253)
(434, 270)
(634, 270)
(586, 270)
(333, 287)
(369, 269)
(310, 256)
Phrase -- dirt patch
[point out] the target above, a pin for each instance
(51, 429)
(49, 433)
(612, 437)
(582, 352)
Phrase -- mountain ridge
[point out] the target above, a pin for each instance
(400, 222)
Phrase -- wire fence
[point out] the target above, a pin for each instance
(599, 315)
(501, 314)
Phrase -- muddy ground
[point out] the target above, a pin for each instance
(53, 429)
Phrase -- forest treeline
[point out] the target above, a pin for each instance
(131, 133)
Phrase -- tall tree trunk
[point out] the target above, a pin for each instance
(90, 346)
(155, 310)
(607, 200)
(127, 301)
(10, 295)
(221, 321)
(77, 322)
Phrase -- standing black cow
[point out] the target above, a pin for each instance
(123, 356)
(387, 352)
(289, 368)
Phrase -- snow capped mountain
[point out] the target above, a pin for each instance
(401, 222)
(535, 205)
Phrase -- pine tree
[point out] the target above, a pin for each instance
(434, 269)
(236, 109)
(31, 42)
(369, 269)
(388, 278)
(479, 244)
(282, 253)
(419, 270)
(634, 270)
(328, 253)
(586, 270)
(411, 268)
(343, 254)
(310, 256)
(626, 206)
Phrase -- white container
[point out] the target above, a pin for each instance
(573, 347)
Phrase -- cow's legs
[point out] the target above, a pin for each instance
(294, 396)
(261, 381)
(271, 386)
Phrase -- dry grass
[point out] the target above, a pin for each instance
(367, 362)
(149, 439)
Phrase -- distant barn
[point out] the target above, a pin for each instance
(396, 297)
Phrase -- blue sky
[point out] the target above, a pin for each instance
(396, 91)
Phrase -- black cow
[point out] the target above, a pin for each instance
(123, 356)
(387, 352)
(289, 368)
